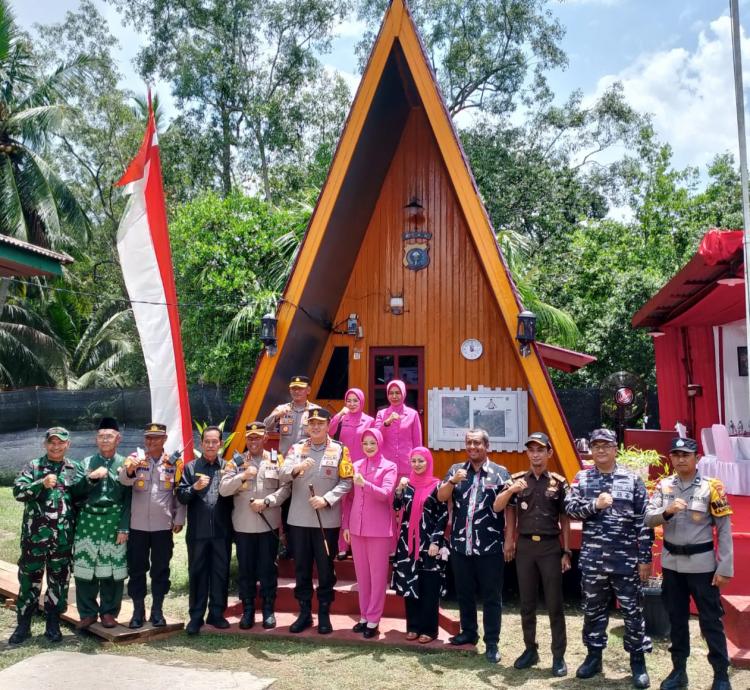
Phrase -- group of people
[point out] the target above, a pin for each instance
(354, 481)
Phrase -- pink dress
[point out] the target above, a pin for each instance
(369, 519)
(353, 425)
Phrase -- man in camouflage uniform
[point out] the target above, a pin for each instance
(46, 535)
(615, 553)
(689, 507)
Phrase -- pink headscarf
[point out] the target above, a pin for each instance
(423, 484)
(378, 439)
(399, 409)
(355, 417)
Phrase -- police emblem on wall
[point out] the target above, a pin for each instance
(416, 237)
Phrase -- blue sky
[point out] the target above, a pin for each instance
(673, 57)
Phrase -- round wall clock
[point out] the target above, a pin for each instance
(471, 348)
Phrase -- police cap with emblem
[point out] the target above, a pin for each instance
(57, 432)
(299, 382)
(540, 438)
(686, 445)
(109, 423)
(319, 413)
(255, 429)
(155, 429)
(603, 435)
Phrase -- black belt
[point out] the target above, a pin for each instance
(688, 549)
(539, 537)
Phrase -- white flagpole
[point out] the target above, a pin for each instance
(739, 95)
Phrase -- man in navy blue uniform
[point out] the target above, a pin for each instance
(611, 502)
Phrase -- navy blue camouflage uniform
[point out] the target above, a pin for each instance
(614, 542)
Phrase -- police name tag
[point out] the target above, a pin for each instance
(271, 473)
(622, 490)
(698, 505)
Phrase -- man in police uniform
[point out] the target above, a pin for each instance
(43, 486)
(477, 536)
(289, 420)
(258, 494)
(323, 464)
(611, 501)
(155, 515)
(688, 507)
(536, 514)
(209, 534)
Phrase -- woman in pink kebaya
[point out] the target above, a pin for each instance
(350, 423)
(368, 527)
(400, 427)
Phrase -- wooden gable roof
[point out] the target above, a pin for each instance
(398, 77)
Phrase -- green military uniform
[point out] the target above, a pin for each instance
(99, 563)
(46, 534)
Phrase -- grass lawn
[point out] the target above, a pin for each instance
(302, 665)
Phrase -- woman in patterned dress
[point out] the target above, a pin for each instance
(419, 570)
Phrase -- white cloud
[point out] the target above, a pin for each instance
(350, 28)
(689, 93)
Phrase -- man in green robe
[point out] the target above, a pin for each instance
(99, 551)
(44, 487)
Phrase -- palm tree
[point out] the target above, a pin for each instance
(35, 204)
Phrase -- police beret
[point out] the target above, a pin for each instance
(59, 432)
(540, 438)
(299, 382)
(109, 423)
(603, 435)
(686, 445)
(255, 429)
(319, 413)
(155, 429)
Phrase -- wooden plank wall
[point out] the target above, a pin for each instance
(445, 303)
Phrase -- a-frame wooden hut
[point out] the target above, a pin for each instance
(400, 238)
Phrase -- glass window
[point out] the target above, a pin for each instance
(384, 368)
(408, 369)
(336, 380)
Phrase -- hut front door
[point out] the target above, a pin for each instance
(405, 363)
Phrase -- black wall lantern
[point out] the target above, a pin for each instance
(526, 333)
(268, 333)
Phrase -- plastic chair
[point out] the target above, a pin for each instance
(707, 441)
(722, 444)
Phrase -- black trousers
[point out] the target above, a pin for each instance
(422, 611)
(540, 561)
(485, 575)
(308, 549)
(285, 527)
(208, 571)
(677, 588)
(149, 552)
(256, 558)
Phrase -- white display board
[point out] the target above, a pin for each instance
(502, 412)
(734, 382)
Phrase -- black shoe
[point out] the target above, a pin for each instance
(676, 680)
(369, 632)
(304, 620)
(721, 684)
(527, 659)
(194, 626)
(324, 619)
(463, 638)
(139, 614)
(360, 627)
(269, 620)
(218, 622)
(638, 669)
(248, 617)
(591, 665)
(157, 617)
(341, 555)
(492, 654)
(52, 629)
(23, 630)
(559, 667)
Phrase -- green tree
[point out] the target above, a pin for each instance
(247, 78)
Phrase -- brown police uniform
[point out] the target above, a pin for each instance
(538, 553)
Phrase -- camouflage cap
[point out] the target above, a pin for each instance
(603, 435)
(57, 431)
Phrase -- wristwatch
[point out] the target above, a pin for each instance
(267, 501)
(568, 552)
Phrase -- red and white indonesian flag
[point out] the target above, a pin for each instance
(146, 260)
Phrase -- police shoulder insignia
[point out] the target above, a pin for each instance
(230, 466)
(518, 475)
(558, 477)
(719, 504)
(346, 469)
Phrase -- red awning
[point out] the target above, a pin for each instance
(563, 359)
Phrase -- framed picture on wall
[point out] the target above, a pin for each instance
(742, 360)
